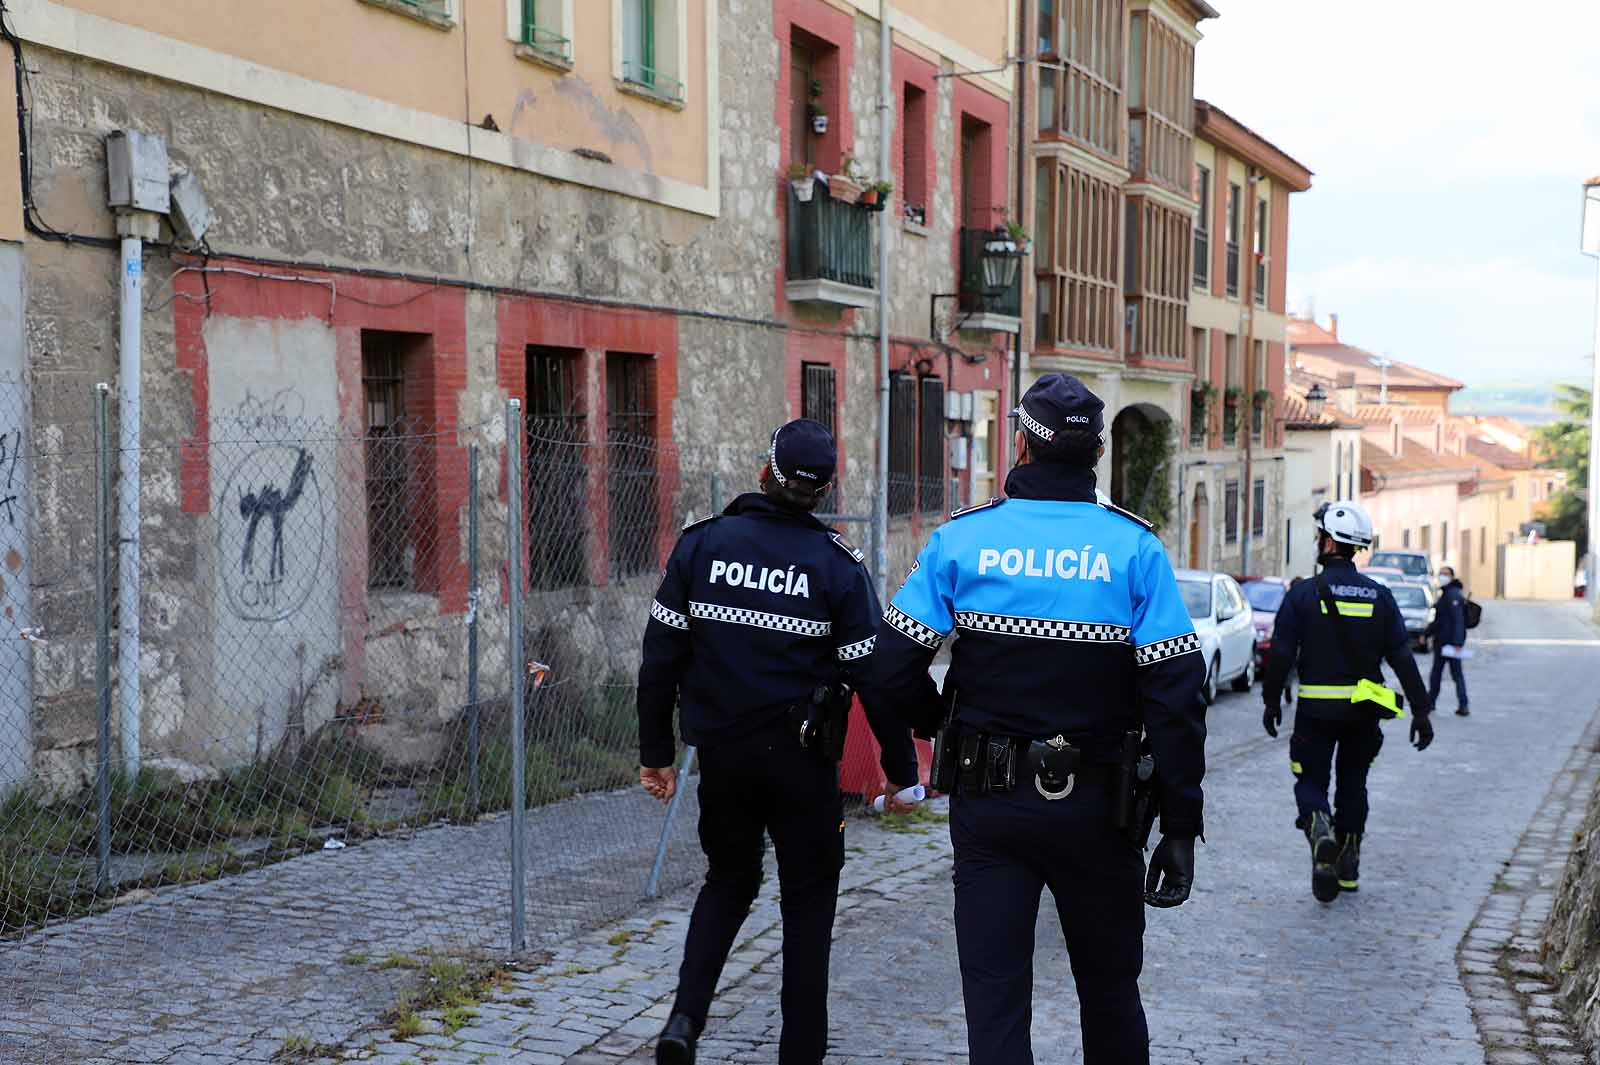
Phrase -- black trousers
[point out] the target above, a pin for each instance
(1009, 846)
(1346, 749)
(768, 784)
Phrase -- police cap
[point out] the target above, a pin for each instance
(802, 454)
(1059, 404)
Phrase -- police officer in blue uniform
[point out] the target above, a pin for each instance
(761, 612)
(1336, 629)
(1072, 636)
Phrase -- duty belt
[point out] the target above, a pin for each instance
(982, 762)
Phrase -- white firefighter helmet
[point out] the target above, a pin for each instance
(1345, 522)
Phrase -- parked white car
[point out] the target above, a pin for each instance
(1226, 626)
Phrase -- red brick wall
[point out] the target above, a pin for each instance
(596, 331)
(913, 137)
(434, 381)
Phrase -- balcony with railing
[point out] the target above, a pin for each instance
(1202, 259)
(830, 257)
(1261, 282)
(1233, 268)
(983, 307)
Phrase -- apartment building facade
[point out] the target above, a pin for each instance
(1234, 420)
(627, 214)
(1111, 110)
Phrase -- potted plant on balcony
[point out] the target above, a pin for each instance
(875, 197)
(802, 181)
(819, 115)
(1019, 235)
(1262, 397)
(844, 186)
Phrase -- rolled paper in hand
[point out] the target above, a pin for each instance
(915, 793)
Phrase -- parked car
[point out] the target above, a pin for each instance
(1416, 606)
(1413, 565)
(1265, 595)
(1226, 626)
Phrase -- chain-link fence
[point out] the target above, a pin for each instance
(307, 750)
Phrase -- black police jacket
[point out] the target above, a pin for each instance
(1070, 621)
(1450, 616)
(1303, 636)
(757, 607)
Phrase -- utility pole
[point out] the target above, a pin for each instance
(1019, 103)
(1248, 318)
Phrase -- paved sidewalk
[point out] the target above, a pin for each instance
(1252, 971)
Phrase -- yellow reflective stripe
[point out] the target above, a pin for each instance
(1327, 691)
(1373, 692)
(1350, 610)
(1295, 767)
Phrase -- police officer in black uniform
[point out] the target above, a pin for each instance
(1073, 635)
(761, 612)
(1337, 628)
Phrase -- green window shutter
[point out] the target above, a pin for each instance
(647, 52)
(529, 21)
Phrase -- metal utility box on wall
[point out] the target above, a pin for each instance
(136, 171)
(191, 214)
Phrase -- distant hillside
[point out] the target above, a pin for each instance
(1532, 404)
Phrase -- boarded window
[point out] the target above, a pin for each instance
(383, 387)
(914, 146)
(902, 443)
(930, 466)
(631, 482)
(818, 399)
(559, 514)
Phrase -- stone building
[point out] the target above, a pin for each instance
(424, 208)
(1236, 499)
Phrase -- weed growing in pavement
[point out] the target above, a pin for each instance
(300, 1048)
(919, 819)
(453, 987)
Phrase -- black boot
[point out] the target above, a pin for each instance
(1349, 862)
(676, 1045)
(1324, 853)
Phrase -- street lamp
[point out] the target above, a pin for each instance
(1589, 244)
(1316, 399)
(1002, 262)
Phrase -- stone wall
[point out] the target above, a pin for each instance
(292, 189)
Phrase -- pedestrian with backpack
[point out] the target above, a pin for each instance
(1449, 632)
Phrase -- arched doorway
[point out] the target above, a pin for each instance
(1199, 529)
(1142, 445)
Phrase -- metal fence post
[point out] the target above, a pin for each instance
(652, 886)
(518, 665)
(103, 548)
(473, 795)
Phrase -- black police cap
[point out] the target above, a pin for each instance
(802, 454)
(1059, 403)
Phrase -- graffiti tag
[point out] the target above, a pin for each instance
(10, 452)
(276, 530)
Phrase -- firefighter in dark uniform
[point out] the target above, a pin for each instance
(1072, 635)
(1336, 629)
(762, 612)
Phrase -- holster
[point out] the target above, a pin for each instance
(1135, 799)
(822, 722)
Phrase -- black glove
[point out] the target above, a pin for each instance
(1271, 718)
(1174, 857)
(1421, 730)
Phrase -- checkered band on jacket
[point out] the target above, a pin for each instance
(912, 627)
(668, 616)
(1042, 628)
(861, 649)
(758, 619)
(1151, 653)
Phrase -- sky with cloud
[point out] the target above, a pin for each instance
(1449, 142)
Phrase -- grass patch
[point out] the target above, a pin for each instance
(353, 959)
(400, 961)
(303, 1048)
(920, 819)
(450, 986)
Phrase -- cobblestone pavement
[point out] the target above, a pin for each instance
(1464, 845)
(227, 971)
(1253, 970)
